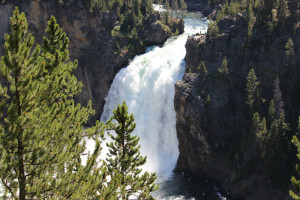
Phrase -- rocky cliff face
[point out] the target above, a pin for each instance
(200, 6)
(90, 42)
(213, 123)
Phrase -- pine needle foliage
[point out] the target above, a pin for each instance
(55, 46)
(282, 15)
(202, 70)
(223, 69)
(252, 91)
(296, 183)
(277, 98)
(58, 66)
(290, 52)
(213, 29)
(249, 22)
(124, 159)
(41, 128)
(261, 134)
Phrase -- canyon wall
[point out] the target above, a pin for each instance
(213, 122)
(90, 42)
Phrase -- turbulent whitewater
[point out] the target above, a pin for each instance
(147, 87)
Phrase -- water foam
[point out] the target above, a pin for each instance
(158, 7)
(147, 87)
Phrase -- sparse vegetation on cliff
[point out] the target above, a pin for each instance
(253, 114)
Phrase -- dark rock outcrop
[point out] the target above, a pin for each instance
(213, 121)
(200, 6)
(90, 42)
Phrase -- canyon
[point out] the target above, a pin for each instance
(90, 42)
(212, 119)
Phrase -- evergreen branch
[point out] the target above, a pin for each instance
(45, 91)
(9, 189)
(54, 188)
(25, 104)
(28, 163)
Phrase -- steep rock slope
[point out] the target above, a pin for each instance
(213, 122)
(90, 42)
(202, 6)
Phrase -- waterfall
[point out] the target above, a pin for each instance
(147, 87)
(158, 7)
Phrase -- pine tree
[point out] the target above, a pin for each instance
(292, 69)
(233, 8)
(41, 130)
(147, 7)
(57, 63)
(278, 147)
(226, 7)
(213, 29)
(277, 98)
(202, 70)
(252, 91)
(263, 137)
(281, 15)
(137, 8)
(261, 133)
(271, 111)
(175, 6)
(296, 183)
(256, 4)
(294, 7)
(224, 68)
(56, 45)
(255, 123)
(167, 20)
(268, 6)
(124, 158)
(167, 5)
(249, 22)
(267, 14)
(127, 23)
(290, 52)
(183, 5)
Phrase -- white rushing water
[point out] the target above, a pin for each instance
(147, 87)
(159, 8)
